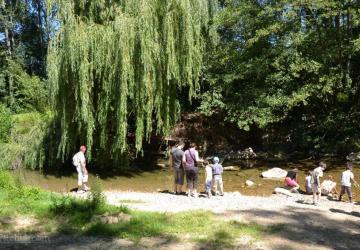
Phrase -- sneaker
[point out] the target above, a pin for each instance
(189, 194)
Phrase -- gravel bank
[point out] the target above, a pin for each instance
(166, 202)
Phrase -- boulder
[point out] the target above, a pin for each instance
(249, 183)
(283, 191)
(274, 173)
(161, 165)
(353, 157)
(231, 168)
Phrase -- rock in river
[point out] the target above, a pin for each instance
(249, 183)
(353, 156)
(274, 173)
(231, 168)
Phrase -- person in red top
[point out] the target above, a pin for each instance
(291, 180)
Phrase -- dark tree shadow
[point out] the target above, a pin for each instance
(352, 213)
(307, 227)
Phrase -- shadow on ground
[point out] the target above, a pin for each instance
(352, 213)
(306, 229)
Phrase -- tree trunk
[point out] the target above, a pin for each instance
(40, 27)
(9, 39)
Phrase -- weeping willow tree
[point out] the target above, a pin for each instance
(116, 67)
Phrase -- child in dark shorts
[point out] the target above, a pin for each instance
(346, 178)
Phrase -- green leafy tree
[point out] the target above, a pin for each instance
(116, 68)
(23, 46)
(288, 67)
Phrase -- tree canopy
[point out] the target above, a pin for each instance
(116, 67)
(292, 65)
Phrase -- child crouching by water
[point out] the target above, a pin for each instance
(328, 187)
(217, 176)
(208, 178)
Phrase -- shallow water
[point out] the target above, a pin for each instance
(162, 179)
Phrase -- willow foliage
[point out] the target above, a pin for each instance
(116, 67)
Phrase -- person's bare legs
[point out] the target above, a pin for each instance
(295, 189)
(317, 198)
(314, 197)
(215, 186)
(221, 186)
(180, 188)
(316, 193)
(85, 180)
(86, 188)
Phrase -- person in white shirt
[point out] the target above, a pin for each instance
(208, 178)
(328, 186)
(315, 182)
(79, 162)
(346, 178)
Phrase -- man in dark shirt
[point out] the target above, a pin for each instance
(291, 180)
(176, 165)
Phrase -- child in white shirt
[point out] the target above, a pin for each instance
(346, 178)
(208, 179)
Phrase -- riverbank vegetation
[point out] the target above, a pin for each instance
(281, 74)
(55, 214)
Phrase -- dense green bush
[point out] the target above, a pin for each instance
(5, 123)
(29, 193)
(6, 181)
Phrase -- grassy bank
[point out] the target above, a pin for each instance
(52, 213)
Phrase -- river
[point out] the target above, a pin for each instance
(161, 179)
